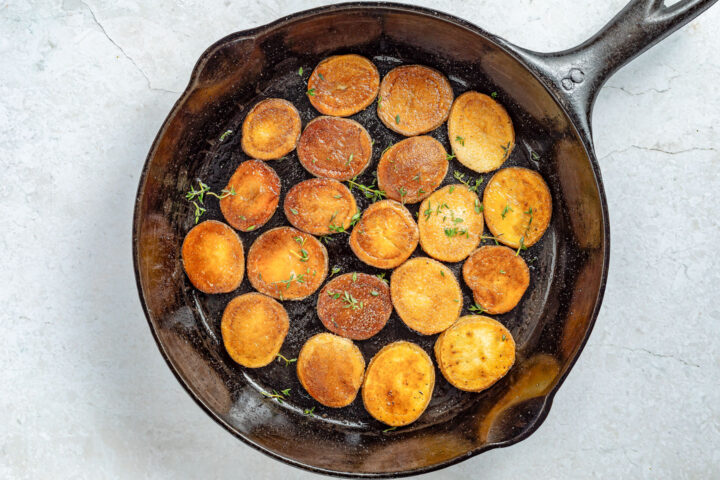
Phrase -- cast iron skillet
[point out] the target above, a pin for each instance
(550, 99)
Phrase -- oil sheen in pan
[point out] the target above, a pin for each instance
(221, 160)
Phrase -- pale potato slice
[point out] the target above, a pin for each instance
(414, 99)
(426, 295)
(331, 368)
(287, 264)
(320, 206)
(253, 329)
(399, 383)
(517, 206)
(497, 277)
(475, 352)
(481, 132)
(412, 169)
(213, 257)
(342, 85)
(256, 189)
(385, 236)
(354, 305)
(450, 222)
(271, 129)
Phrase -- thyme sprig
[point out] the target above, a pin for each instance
(468, 181)
(287, 361)
(197, 197)
(370, 191)
(280, 396)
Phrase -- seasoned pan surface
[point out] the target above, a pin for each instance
(550, 324)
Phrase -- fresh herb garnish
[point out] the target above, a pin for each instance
(449, 156)
(506, 149)
(287, 361)
(321, 76)
(334, 270)
(534, 156)
(493, 95)
(521, 247)
(460, 140)
(354, 277)
(478, 206)
(507, 209)
(293, 211)
(300, 71)
(282, 394)
(368, 190)
(374, 293)
(381, 276)
(389, 429)
(349, 160)
(402, 192)
(309, 412)
(226, 134)
(451, 189)
(468, 182)
(311, 92)
(397, 119)
(477, 308)
(416, 177)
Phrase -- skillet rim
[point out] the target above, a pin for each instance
(511, 50)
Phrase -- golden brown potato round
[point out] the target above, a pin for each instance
(337, 148)
(414, 99)
(331, 369)
(354, 305)
(517, 206)
(320, 206)
(385, 236)
(287, 264)
(399, 383)
(253, 329)
(481, 132)
(426, 295)
(412, 169)
(497, 277)
(271, 129)
(342, 85)
(475, 352)
(450, 223)
(213, 257)
(257, 192)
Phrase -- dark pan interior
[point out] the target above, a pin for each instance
(550, 324)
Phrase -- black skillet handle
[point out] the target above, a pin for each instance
(577, 74)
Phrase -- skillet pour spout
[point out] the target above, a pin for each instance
(549, 97)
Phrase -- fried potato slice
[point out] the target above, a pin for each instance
(412, 169)
(342, 85)
(337, 148)
(414, 99)
(213, 257)
(385, 236)
(287, 264)
(271, 129)
(497, 277)
(517, 206)
(331, 369)
(426, 295)
(398, 384)
(257, 193)
(475, 352)
(253, 329)
(481, 132)
(450, 223)
(320, 206)
(354, 305)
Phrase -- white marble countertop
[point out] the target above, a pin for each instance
(84, 392)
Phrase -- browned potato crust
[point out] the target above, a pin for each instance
(287, 264)
(257, 193)
(517, 206)
(271, 129)
(497, 277)
(213, 257)
(337, 148)
(398, 385)
(253, 329)
(481, 132)
(385, 236)
(450, 223)
(331, 369)
(316, 205)
(342, 85)
(354, 305)
(426, 295)
(475, 352)
(411, 169)
(414, 99)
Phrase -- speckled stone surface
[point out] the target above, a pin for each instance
(84, 392)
